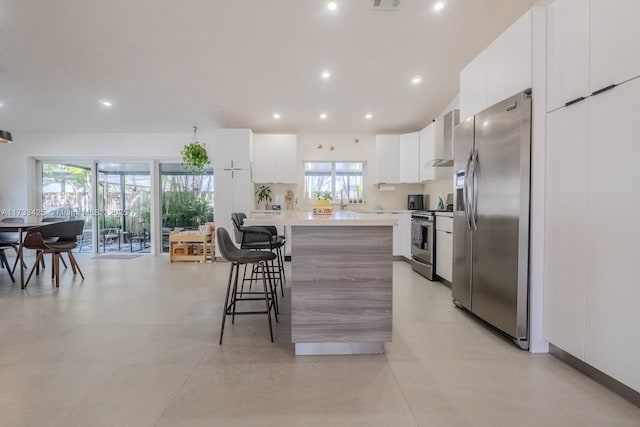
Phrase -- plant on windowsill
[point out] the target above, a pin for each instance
(264, 195)
(323, 198)
(195, 155)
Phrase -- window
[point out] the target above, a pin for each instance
(344, 180)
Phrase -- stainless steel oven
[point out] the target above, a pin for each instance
(422, 244)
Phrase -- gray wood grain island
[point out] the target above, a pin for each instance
(341, 284)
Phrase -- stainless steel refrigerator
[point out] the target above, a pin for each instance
(492, 153)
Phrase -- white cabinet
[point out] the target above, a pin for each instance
(275, 158)
(590, 275)
(402, 235)
(590, 47)
(409, 157)
(509, 61)
(233, 189)
(567, 52)
(444, 247)
(615, 42)
(427, 152)
(565, 251)
(501, 70)
(387, 158)
(612, 343)
(473, 86)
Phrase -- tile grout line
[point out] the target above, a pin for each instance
(404, 397)
(204, 355)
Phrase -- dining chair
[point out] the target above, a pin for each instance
(11, 238)
(3, 261)
(53, 219)
(55, 238)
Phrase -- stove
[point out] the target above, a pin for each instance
(422, 243)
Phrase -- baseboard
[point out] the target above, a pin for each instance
(611, 383)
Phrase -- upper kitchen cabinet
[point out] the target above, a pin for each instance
(275, 159)
(615, 42)
(590, 46)
(509, 61)
(427, 152)
(473, 86)
(387, 159)
(501, 70)
(567, 52)
(409, 157)
(436, 147)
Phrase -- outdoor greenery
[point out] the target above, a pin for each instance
(184, 204)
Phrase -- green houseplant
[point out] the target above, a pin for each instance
(264, 195)
(323, 198)
(195, 155)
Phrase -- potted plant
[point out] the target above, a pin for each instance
(195, 155)
(323, 198)
(264, 195)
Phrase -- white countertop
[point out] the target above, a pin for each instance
(448, 214)
(338, 218)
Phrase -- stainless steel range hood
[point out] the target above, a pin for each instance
(445, 154)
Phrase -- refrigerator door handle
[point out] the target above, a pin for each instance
(474, 201)
(465, 190)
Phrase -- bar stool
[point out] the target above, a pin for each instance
(261, 238)
(239, 257)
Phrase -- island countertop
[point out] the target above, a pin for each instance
(305, 218)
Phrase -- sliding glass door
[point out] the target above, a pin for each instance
(124, 207)
(66, 194)
(186, 198)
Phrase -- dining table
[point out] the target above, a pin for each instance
(20, 228)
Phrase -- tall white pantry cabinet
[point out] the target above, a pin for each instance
(591, 281)
(232, 175)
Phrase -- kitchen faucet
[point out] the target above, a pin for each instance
(342, 203)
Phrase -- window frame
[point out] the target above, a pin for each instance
(334, 174)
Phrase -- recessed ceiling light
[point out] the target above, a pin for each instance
(368, 116)
(276, 115)
(323, 116)
(438, 6)
(326, 74)
(416, 80)
(332, 5)
(1, 104)
(106, 103)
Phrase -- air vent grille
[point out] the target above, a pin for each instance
(386, 4)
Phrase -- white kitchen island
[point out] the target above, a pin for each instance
(341, 284)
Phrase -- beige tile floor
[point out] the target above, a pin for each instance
(135, 344)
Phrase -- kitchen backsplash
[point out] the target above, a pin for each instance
(438, 189)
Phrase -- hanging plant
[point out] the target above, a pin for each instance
(195, 155)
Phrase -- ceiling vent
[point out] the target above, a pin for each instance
(386, 4)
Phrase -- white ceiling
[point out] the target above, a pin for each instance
(168, 64)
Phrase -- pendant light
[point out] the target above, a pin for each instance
(5, 136)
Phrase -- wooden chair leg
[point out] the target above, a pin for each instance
(72, 260)
(56, 267)
(36, 265)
